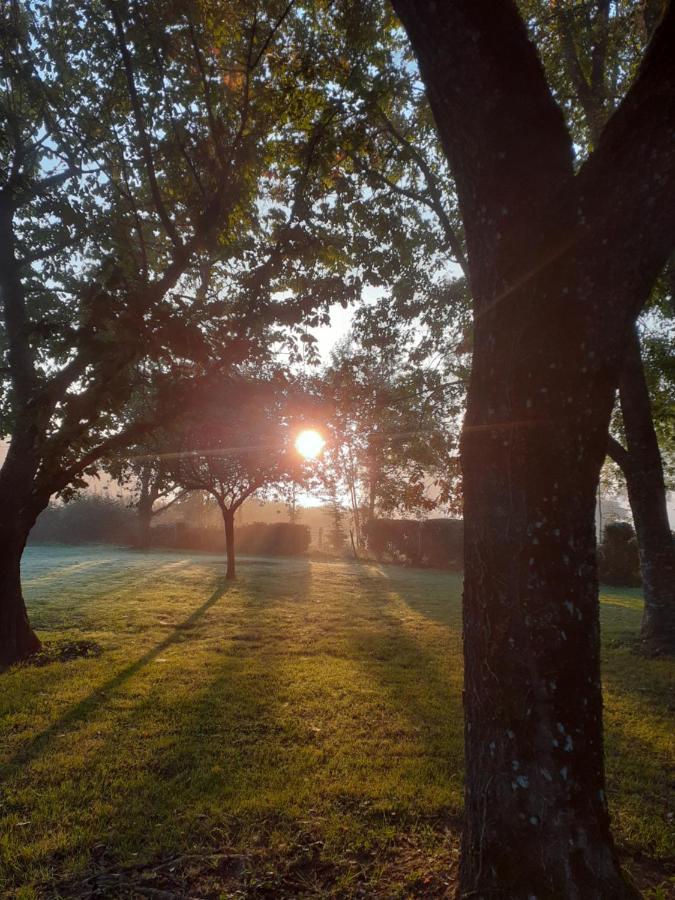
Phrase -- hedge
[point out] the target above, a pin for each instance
(257, 539)
(436, 543)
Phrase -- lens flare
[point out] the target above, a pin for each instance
(309, 443)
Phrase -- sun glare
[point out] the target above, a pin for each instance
(309, 443)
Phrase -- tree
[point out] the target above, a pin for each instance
(588, 53)
(151, 484)
(561, 263)
(641, 465)
(164, 197)
(232, 455)
(391, 414)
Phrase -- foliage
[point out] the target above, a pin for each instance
(435, 543)
(86, 519)
(591, 52)
(176, 199)
(618, 557)
(392, 445)
(233, 450)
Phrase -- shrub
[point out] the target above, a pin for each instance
(85, 520)
(258, 539)
(275, 539)
(618, 558)
(437, 543)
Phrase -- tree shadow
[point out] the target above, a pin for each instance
(220, 747)
(435, 594)
(415, 678)
(100, 696)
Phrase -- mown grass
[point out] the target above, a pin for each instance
(296, 733)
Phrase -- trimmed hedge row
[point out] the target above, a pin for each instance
(435, 543)
(618, 557)
(85, 520)
(257, 539)
(439, 543)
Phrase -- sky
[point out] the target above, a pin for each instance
(330, 335)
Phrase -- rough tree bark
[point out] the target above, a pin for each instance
(18, 507)
(642, 467)
(641, 461)
(557, 280)
(17, 638)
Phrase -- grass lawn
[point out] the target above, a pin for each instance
(296, 734)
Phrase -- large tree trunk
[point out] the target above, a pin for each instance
(556, 287)
(20, 507)
(228, 519)
(17, 638)
(643, 470)
(536, 820)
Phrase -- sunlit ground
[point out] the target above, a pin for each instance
(296, 734)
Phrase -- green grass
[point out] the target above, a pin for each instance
(299, 732)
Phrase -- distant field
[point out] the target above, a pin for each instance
(296, 734)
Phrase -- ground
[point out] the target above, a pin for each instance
(298, 733)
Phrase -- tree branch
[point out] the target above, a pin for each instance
(502, 131)
(139, 118)
(435, 202)
(633, 170)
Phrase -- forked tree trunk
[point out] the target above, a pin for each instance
(17, 638)
(643, 470)
(556, 287)
(228, 519)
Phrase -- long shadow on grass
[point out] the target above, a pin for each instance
(434, 593)
(415, 666)
(227, 763)
(98, 697)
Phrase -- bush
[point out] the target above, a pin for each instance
(258, 539)
(437, 543)
(618, 557)
(275, 539)
(85, 520)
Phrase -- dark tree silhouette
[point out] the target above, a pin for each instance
(560, 264)
(233, 455)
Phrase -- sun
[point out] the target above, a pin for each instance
(309, 443)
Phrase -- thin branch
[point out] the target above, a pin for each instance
(139, 119)
(49, 252)
(277, 25)
(207, 92)
(169, 503)
(435, 194)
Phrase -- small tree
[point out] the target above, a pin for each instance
(231, 459)
(391, 420)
